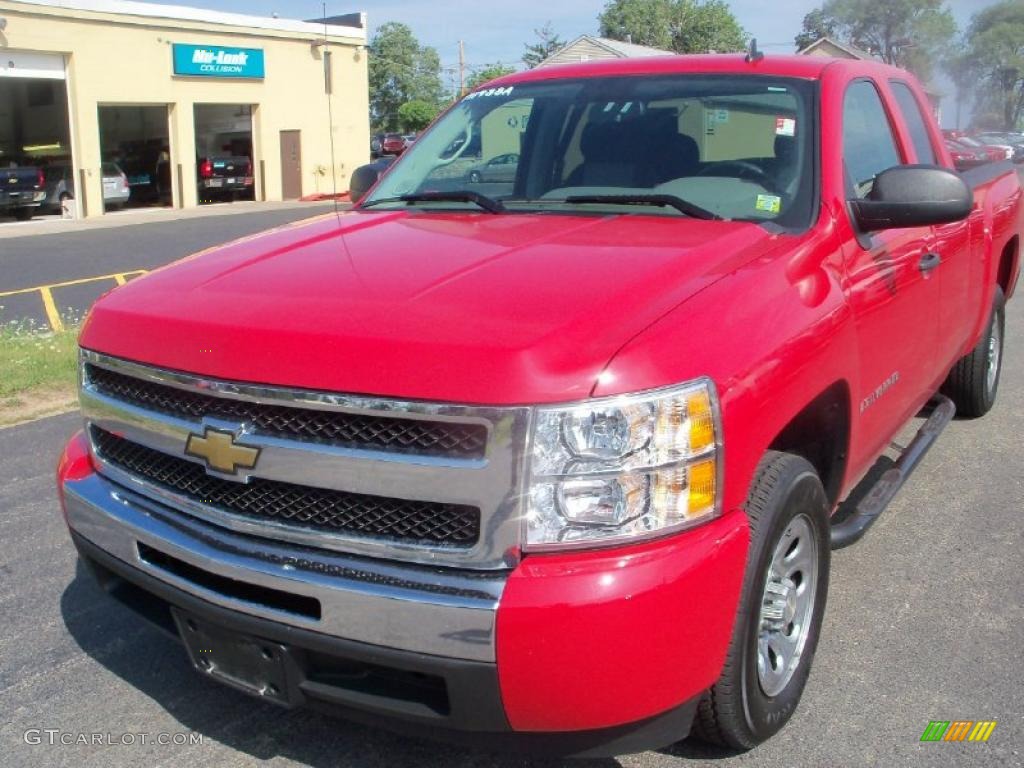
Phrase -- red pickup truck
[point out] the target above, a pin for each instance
(556, 460)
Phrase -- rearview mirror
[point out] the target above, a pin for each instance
(365, 176)
(913, 196)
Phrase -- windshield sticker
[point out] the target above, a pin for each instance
(506, 91)
(768, 203)
(785, 126)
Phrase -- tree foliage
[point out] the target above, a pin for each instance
(995, 47)
(962, 69)
(907, 33)
(816, 26)
(548, 42)
(683, 26)
(488, 72)
(416, 115)
(400, 71)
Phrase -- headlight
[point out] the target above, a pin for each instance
(625, 467)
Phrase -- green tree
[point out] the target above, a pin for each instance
(683, 26)
(400, 71)
(548, 42)
(416, 115)
(816, 26)
(995, 43)
(907, 33)
(962, 68)
(488, 72)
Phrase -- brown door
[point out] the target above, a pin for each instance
(291, 165)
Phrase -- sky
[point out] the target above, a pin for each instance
(497, 31)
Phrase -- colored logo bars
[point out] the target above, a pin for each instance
(958, 730)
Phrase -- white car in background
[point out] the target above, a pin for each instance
(115, 186)
(60, 186)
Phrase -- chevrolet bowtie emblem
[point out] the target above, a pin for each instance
(220, 451)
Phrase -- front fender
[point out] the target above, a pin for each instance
(773, 335)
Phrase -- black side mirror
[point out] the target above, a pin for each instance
(913, 196)
(365, 176)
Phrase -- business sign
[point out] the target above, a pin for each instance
(214, 61)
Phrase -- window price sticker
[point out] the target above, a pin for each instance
(785, 126)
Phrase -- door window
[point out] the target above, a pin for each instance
(869, 146)
(915, 120)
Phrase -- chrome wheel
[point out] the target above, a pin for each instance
(995, 349)
(787, 606)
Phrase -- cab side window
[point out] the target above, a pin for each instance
(910, 108)
(869, 145)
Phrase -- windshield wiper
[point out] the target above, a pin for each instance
(489, 204)
(669, 201)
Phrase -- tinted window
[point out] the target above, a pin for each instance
(915, 121)
(868, 143)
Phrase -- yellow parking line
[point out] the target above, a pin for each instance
(80, 281)
(46, 292)
(51, 309)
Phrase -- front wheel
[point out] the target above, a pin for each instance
(780, 611)
(973, 382)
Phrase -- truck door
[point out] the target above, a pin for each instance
(892, 290)
(950, 243)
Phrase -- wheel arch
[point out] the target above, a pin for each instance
(820, 433)
(1009, 266)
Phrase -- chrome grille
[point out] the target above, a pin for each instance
(417, 522)
(351, 430)
(419, 499)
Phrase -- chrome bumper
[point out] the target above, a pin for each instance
(436, 611)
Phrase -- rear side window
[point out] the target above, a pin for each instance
(869, 146)
(915, 120)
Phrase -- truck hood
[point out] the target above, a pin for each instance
(460, 307)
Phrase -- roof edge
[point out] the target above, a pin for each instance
(170, 13)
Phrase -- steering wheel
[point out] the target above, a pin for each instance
(742, 169)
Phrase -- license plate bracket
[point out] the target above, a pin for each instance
(256, 666)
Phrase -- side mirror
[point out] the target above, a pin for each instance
(365, 176)
(913, 196)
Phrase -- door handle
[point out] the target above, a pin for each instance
(929, 262)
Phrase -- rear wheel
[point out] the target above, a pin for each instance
(973, 382)
(780, 611)
(23, 214)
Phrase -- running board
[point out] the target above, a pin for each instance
(868, 509)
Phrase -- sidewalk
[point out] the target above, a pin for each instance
(49, 225)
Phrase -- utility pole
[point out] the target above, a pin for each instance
(462, 70)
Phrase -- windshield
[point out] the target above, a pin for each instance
(732, 147)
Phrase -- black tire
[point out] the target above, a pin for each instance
(736, 712)
(969, 384)
(23, 214)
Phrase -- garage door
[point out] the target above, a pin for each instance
(43, 66)
(34, 130)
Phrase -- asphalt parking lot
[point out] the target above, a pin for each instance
(925, 618)
(42, 252)
(925, 621)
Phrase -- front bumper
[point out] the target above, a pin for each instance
(584, 653)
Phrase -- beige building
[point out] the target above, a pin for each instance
(592, 48)
(161, 89)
